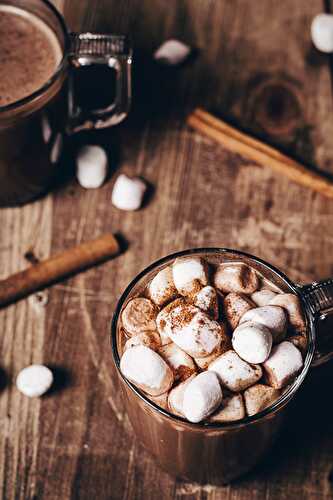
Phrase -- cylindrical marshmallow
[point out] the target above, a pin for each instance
(91, 166)
(263, 297)
(235, 305)
(163, 320)
(235, 373)
(149, 339)
(291, 304)
(190, 274)
(128, 193)
(202, 396)
(322, 32)
(179, 361)
(176, 397)
(283, 364)
(237, 277)
(172, 52)
(232, 409)
(161, 289)
(139, 316)
(258, 397)
(224, 346)
(252, 342)
(34, 380)
(273, 317)
(207, 300)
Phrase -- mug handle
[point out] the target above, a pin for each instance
(112, 51)
(318, 300)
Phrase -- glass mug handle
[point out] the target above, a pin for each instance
(110, 51)
(318, 300)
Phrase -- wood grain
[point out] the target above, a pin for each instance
(255, 65)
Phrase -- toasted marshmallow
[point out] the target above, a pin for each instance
(225, 346)
(128, 192)
(235, 373)
(149, 339)
(163, 320)
(139, 316)
(273, 317)
(207, 300)
(176, 397)
(190, 274)
(232, 409)
(235, 306)
(283, 364)
(263, 297)
(147, 370)
(172, 52)
(252, 342)
(181, 363)
(292, 306)
(161, 288)
(238, 278)
(91, 166)
(202, 396)
(258, 397)
(299, 341)
(34, 380)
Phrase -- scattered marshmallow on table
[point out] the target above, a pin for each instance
(283, 364)
(258, 397)
(162, 289)
(179, 361)
(202, 396)
(190, 274)
(172, 52)
(176, 397)
(91, 166)
(263, 297)
(149, 339)
(224, 346)
(139, 316)
(232, 409)
(291, 304)
(163, 320)
(322, 32)
(34, 380)
(235, 305)
(235, 373)
(252, 342)
(273, 317)
(147, 370)
(238, 278)
(207, 300)
(128, 192)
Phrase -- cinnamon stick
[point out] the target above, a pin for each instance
(57, 267)
(264, 155)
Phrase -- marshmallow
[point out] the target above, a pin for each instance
(180, 363)
(139, 316)
(161, 400)
(56, 148)
(172, 52)
(149, 339)
(163, 320)
(263, 297)
(147, 370)
(234, 372)
(235, 305)
(252, 342)
(232, 409)
(299, 341)
(283, 364)
(238, 278)
(91, 166)
(202, 396)
(161, 289)
(273, 317)
(322, 32)
(176, 397)
(206, 299)
(34, 380)
(128, 192)
(225, 346)
(291, 304)
(258, 397)
(189, 274)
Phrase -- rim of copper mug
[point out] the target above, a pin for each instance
(279, 403)
(58, 70)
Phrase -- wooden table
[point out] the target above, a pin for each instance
(255, 65)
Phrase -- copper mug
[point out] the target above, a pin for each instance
(33, 130)
(217, 453)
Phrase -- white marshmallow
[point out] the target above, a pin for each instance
(299, 341)
(225, 346)
(283, 364)
(263, 297)
(258, 397)
(147, 370)
(34, 380)
(56, 148)
(237, 277)
(128, 192)
(252, 342)
(189, 274)
(176, 397)
(202, 396)
(163, 320)
(291, 304)
(232, 409)
(206, 299)
(273, 317)
(235, 306)
(139, 316)
(91, 166)
(234, 372)
(181, 363)
(172, 52)
(149, 339)
(322, 32)
(161, 289)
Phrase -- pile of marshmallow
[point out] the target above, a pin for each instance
(212, 352)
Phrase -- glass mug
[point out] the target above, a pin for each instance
(33, 129)
(217, 453)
